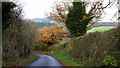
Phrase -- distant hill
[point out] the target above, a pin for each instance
(42, 25)
(42, 22)
(99, 24)
(46, 19)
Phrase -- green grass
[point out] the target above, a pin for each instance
(8, 63)
(65, 60)
(20, 62)
(100, 29)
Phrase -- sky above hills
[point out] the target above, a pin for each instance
(38, 8)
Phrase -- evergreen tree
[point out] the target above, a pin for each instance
(6, 13)
(77, 21)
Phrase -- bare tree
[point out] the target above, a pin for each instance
(60, 10)
(96, 9)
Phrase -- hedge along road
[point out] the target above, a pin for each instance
(45, 61)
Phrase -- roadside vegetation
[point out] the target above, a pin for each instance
(21, 62)
(18, 35)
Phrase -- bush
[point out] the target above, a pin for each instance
(94, 47)
(109, 61)
(40, 46)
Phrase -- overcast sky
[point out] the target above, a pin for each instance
(38, 8)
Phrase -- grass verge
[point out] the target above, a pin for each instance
(64, 60)
(21, 62)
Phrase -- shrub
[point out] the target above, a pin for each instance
(40, 46)
(93, 47)
(109, 61)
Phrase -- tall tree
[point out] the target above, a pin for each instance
(76, 21)
(7, 8)
(91, 12)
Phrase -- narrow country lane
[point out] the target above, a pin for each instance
(45, 61)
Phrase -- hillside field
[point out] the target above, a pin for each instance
(101, 29)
